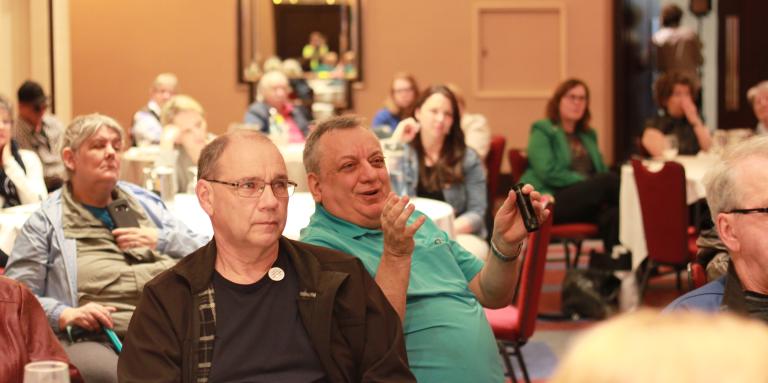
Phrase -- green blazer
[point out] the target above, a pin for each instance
(549, 157)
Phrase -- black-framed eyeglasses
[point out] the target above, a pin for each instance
(748, 211)
(255, 188)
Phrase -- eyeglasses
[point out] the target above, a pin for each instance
(748, 211)
(575, 98)
(255, 188)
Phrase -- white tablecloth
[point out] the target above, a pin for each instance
(631, 231)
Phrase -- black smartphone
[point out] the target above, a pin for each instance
(525, 207)
(122, 214)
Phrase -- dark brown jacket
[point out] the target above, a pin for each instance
(356, 333)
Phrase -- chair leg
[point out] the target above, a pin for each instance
(507, 363)
(567, 254)
(679, 280)
(646, 275)
(578, 244)
(521, 362)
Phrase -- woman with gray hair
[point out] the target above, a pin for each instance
(90, 249)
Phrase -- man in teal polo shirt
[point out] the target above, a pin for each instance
(437, 287)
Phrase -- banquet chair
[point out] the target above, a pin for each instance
(493, 165)
(669, 238)
(514, 325)
(568, 233)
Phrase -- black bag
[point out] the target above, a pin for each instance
(589, 293)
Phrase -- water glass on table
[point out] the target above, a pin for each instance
(670, 151)
(46, 371)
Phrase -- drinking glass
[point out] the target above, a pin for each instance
(46, 371)
(394, 156)
(670, 152)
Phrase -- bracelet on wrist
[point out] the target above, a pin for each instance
(505, 258)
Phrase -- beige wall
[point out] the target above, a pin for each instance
(118, 48)
(432, 39)
(116, 51)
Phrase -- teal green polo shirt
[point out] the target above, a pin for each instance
(447, 336)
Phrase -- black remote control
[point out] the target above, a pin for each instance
(525, 207)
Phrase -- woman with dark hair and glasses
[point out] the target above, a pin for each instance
(439, 165)
(564, 161)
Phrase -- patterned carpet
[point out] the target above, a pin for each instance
(551, 339)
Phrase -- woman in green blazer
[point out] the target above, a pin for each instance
(564, 161)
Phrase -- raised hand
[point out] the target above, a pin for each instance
(398, 235)
(508, 226)
(406, 130)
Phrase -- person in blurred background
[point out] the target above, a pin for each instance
(185, 132)
(678, 48)
(403, 93)
(88, 272)
(301, 92)
(682, 347)
(273, 109)
(758, 96)
(678, 117)
(564, 160)
(40, 132)
(21, 173)
(313, 52)
(147, 128)
(439, 165)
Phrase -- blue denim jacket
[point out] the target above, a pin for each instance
(47, 262)
(469, 199)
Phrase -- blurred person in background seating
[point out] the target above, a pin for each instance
(399, 105)
(678, 117)
(40, 132)
(439, 165)
(564, 160)
(87, 272)
(21, 173)
(758, 96)
(185, 132)
(313, 52)
(683, 347)
(274, 109)
(301, 92)
(147, 128)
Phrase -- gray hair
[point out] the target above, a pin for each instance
(178, 104)
(268, 80)
(753, 91)
(311, 150)
(85, 126)
(723, 192)
(209, 156)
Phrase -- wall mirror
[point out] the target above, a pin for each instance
(324, 35)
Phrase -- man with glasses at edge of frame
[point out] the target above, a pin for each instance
(255, 306)
(737, 194)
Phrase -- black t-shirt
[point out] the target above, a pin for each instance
(581, 162)
(259, 333)
(688, 143)
(423, 191)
